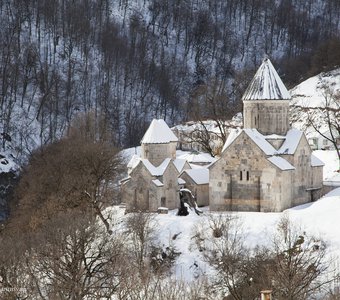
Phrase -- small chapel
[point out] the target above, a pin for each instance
(267, 166)
(153, 177)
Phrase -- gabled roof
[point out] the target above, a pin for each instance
(234, 133)
(266, 85)
(196, 157)
(281, 163)
(199, 176)
(181, 181)
(288, 147)
(158, 133)
(260, 141)
(179, 164)
(291, 142)
(154, 171)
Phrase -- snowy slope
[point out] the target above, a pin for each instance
(319, 219)
(331, 161)
(312, 92)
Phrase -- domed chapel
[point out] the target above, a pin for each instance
(266, 166)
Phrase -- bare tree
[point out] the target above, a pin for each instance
(77, 260)
(223, 247)
(299, 263)
(141, 229)
(73, 172)
(211, 106)
(293, 266)
(327, 118)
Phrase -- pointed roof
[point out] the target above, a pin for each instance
(154, 171)
(158, 133)
(266, 85)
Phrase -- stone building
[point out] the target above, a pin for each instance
(267, 166)
(197, 181)
(152, 180)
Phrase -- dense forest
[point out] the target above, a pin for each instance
(128, 61)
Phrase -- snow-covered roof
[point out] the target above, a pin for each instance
(274, 137)
(181, 181)
(293, 138)
(266, 85)
(134, 161)
(157, 183)
(179, 164)
(281, 163)
(195, 157)
(316, 162)
(199, 176)
(154, 171)
(289, 146)
(234, 133)
(260, 141)
(158, 133)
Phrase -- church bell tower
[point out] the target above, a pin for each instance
(266, 102)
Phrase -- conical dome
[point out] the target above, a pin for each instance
(158, 133)
(266, 102)
(266, 85)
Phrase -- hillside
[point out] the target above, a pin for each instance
(130, 61)
(315, 109)
(319, 219)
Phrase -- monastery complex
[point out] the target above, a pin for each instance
(267, 166)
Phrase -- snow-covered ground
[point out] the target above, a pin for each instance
(331, 174)
(312, 92)
(320, 219)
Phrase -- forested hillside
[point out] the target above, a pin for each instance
(127, 61)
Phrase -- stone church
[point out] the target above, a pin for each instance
(267, 166)
(153, 178)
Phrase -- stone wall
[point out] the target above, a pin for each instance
(134, 191)
(303, 174)
(244, 180)
(200, 191)
(156, 153)
(171, 187)
(155, 196)
(267, 116)
(140, 193)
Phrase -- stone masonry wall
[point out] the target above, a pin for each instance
(200, 191)
(134, 192)
(273, 117)
(156, 153)
(261, 187)
(171, 187)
